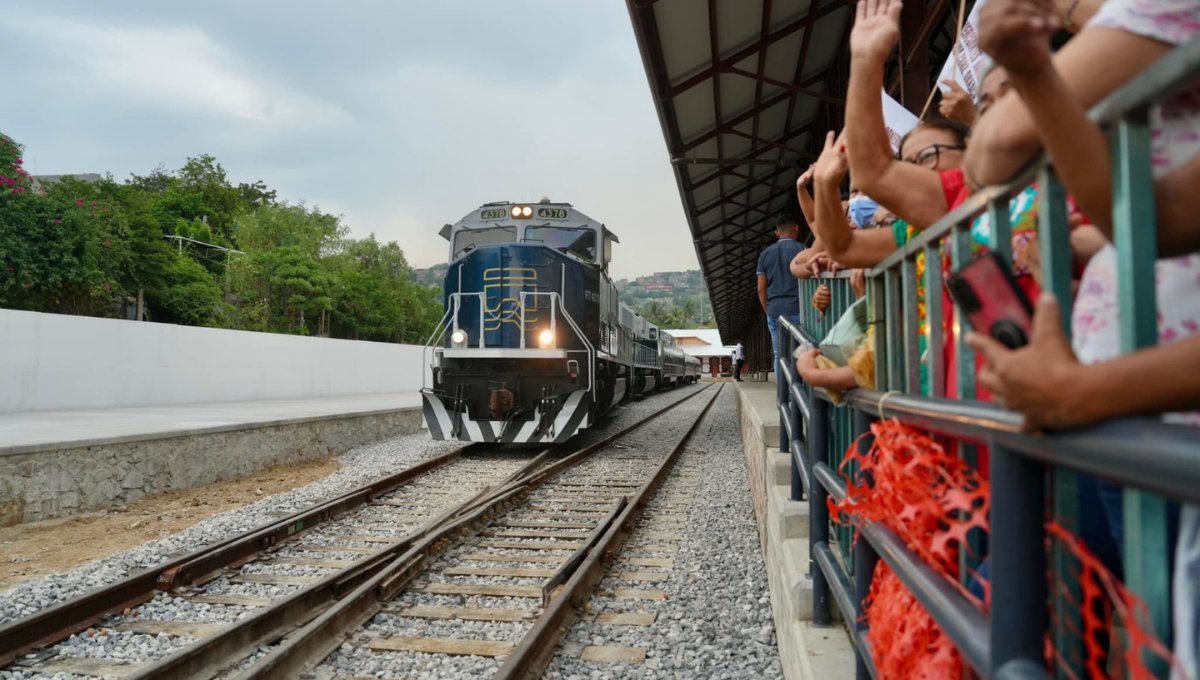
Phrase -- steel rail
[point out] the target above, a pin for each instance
(320, 613)
(535, 650)
(58, 622)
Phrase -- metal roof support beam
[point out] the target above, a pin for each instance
(754, 180)
(730, 161)
(747, 115)
(752, 48)
(760, 69)
(794, 89)
(916, 69)
(918, 42)
(739, 192)
(777, 145)
(750, 207)
(794, 133)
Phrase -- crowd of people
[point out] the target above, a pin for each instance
(1031, 99)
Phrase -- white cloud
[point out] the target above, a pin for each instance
(593, 143)
(181, 68)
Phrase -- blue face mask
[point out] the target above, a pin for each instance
(862, 209)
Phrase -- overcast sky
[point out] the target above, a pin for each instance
(402, 115)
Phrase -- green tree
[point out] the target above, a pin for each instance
(91, 248)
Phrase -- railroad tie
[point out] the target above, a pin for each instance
(484, 590)
(636, 594)
(624, 618)
(504, 533)
(101, 668)
(493, 557)
(664, 562)
(461, 613)
(515, 572)
(231, 600)
(531, 545)
(274, 579)
(614, 654)
(175, 628)
(450, 646)
(643, 576)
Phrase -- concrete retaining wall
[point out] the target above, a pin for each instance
(49, 484)
(807, 652)
(53, 362)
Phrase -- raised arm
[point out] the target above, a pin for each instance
(912, 193)
(844, 244)
(1090, 67)
(805, 198)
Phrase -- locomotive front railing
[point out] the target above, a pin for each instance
(556, 306)
(1154, 461)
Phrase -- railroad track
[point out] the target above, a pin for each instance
(252, 590)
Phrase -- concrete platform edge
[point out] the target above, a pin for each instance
(59, 482)
(806, 651)
(191, 432)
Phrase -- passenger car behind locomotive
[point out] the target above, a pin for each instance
(534, 345)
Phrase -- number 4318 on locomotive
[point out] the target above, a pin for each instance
(534, 345)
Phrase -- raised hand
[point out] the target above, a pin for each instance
(832, 165)
(1016, 33)
(805, 177)
(876, 29)
(957, 104)
(1030, 379)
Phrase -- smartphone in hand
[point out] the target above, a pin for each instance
(992, 302)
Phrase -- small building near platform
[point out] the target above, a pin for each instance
(705, 344)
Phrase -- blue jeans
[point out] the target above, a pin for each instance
(773, 324)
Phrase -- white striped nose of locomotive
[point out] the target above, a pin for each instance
(441, 423)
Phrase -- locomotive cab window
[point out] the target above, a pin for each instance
(469, 239)
(579, 242)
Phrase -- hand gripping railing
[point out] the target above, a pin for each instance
(1154, 460)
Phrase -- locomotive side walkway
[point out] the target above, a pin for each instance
(807, 652)
(57, 463)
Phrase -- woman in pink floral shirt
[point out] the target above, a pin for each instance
(1121, 39)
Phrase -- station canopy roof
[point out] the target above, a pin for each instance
(745, 91)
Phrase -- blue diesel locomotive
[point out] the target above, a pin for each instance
(534, 345)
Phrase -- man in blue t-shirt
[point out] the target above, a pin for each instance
(778, 290)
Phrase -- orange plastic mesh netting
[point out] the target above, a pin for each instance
(932, 500)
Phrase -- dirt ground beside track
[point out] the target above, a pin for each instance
(57, 545)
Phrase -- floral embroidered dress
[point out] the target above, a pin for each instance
(1023, 218)
(1175, 139)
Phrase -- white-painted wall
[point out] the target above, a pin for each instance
(51, 362)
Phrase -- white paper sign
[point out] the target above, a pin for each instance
(898, 120)
(967, 61)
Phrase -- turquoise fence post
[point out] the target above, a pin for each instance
(877, 305)
(934, 332)
(895, 333)
(1147, 553)
(1054, 241)
(912, 342)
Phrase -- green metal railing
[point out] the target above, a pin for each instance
(1152, 460)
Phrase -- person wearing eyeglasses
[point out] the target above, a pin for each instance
(925, 180)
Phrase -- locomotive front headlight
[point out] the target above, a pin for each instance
(516, 211)
(458, 338)
(527, 211)
(546, 338)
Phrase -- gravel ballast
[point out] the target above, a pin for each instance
(359, 466)
(716, 621)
